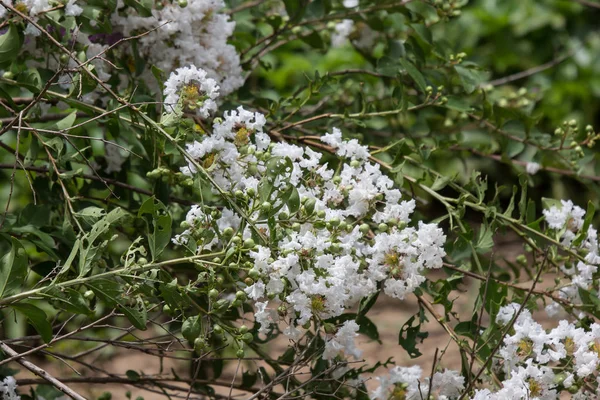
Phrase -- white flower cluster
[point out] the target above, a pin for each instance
(191, 90)
(8, 389)
(34, 7)
(196, 34)
(567, 222)
(339, 232)
(405, 383)
(539, 364)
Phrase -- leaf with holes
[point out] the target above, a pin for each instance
(158, 221)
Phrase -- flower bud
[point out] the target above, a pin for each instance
(240, 353)
(249, 243)
(213, 294)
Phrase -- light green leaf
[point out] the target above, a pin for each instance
(37, 317)
(10, 44)
(13, 269)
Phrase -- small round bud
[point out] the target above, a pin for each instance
(249, 281)
(266, 206)
(343, 226)
(247, 337)
(364, 228)
(271, 295)
(236, 303)
(355, 163)
(216, 260)
(572, 123)
(182, 3)
(217, 329)
(220, 279)
(382, 227)
(558, 131)
(167, 309)
(240, 353)
(239, 194)
(296, 226)
(236, 240)
(251, 192)
(142, 261)
(283, 216)
(253, 273)
(213, 293)
(199, 345)
(282, 310)
(243, 329)
(89, 294)
(337, 179)
(329, 328)
(309, 206)
(241, 295)
(228, 232)
(184, 224)
(249, 243)
(589, 128)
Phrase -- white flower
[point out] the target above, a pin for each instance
(194, 88)
(72, 9)
(342, 32)
(343, 342)
(532, 168)
(196, 34)
(8, 389)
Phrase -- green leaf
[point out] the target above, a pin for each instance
(13, 269)
(470, 78)
(10, 44)
(409, 334)
(191, 328)
(143, 7)
(158, 221)
(89, 249)
(414, 73)
(314, 40)
(112, 293)
(67, 121)
(37, 317)
(132, 375)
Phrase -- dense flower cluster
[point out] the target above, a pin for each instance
(338, 234)
(195, 34)
(566, 222)
(407, 383)
(540, 363)
(8, 389)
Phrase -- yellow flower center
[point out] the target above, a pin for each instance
(317, 303)
(209, 160)
(21, 7)
(535, 389)
(241, 136)
(399, 393)
(525, 347)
